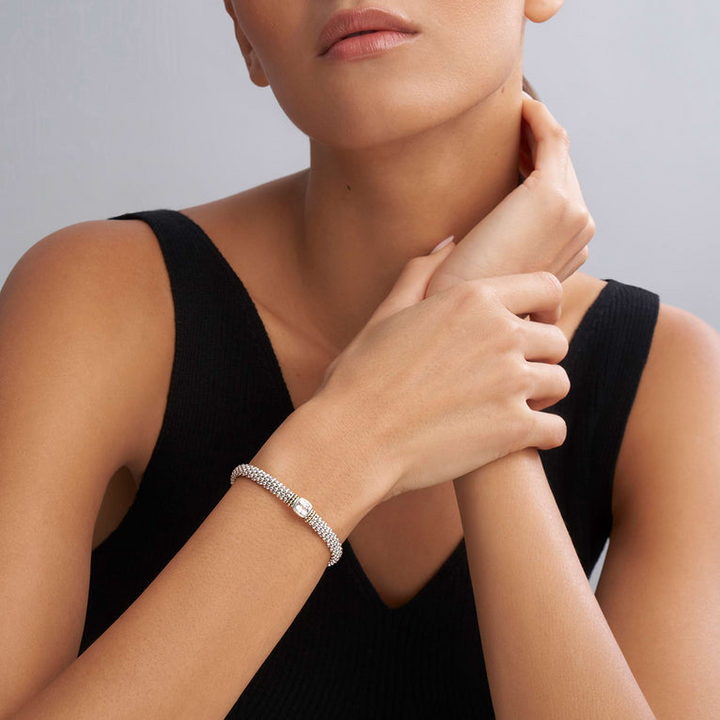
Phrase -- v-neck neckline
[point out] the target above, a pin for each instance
(278, 382)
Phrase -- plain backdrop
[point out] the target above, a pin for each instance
(116, 107)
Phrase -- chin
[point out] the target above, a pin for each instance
(355, 119)
(370, 105)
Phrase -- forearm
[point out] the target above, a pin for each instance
(190, 644)
(548, 649)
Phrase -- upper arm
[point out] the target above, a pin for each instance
(70, 389)
(660, 584)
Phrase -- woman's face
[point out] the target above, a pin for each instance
(465, 50)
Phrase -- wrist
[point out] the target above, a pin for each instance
(313, 454)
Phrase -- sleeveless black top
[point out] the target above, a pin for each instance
(227, 395)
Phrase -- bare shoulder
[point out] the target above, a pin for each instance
(84, 322)
(100, 284)
(672, 428)
(91, 239)
(660, 582)
(100, 256)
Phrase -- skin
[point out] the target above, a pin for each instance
(429, 158)
(658, 594)
(418, 147)
(426, 140)
(329, 289)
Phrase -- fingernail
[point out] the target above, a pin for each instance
(441, 245)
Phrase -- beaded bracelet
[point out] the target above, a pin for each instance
(300, 505)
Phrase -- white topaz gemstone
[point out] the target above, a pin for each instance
(302, 507)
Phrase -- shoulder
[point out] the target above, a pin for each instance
(659, 584)
(104, 274)
(677, 398)
(677, 405)
(94, 298)
(104, 254)
(77, 358)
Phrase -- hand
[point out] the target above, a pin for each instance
(543, 224)
(433, 388)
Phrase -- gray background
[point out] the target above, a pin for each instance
(116, 107)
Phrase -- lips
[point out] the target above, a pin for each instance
(349, 22)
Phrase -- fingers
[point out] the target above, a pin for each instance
(411, 285)
(574, 264)
(543, 430)
(543, 343)
(550, 430)
(542, 403)
(548, 381)
(548, 140)
(548, 317)
(527, 140)
(526, 293)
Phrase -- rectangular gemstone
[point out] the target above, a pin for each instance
(302, 507)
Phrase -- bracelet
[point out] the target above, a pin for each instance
(300, 505)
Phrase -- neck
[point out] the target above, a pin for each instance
(366, 212)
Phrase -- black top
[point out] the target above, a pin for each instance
(346, 655)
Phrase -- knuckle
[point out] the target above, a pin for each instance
(513, 333)
(418, 261)
(561, 431)
(562, 135)
(562, 340)
(551, 281)
(522, 428)
(587, 234)
(460, 293)
(557, 201)
(477, 291)
(553, 430)
(466, 295)
(563, 380)
(582, 216)
(528, 377)
(534, 427)
(519, 378)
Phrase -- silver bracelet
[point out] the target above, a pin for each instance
(300, 505)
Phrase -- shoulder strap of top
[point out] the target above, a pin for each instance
(219, 370)
(196, 265)
(605, 364)
(186, 252)
(220, 409)
(622, 343)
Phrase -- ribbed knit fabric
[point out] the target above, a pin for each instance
(346, 655)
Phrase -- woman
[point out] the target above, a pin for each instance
(363, 368)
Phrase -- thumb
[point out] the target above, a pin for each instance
(412, 283)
